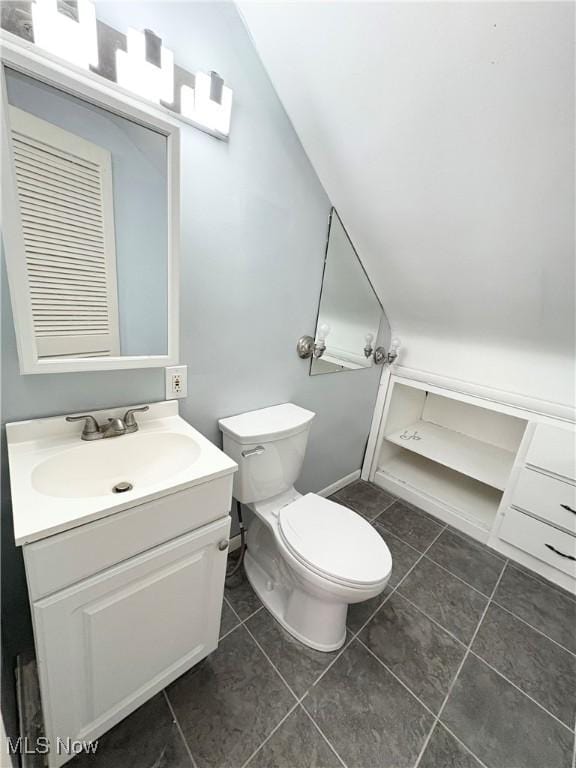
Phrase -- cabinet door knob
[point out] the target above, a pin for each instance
(222, 545)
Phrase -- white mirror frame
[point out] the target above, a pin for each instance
(29, 60)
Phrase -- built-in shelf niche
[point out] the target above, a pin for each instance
(449, 451)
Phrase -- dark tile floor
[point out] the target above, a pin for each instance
(464, 661)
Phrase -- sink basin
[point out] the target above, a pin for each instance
(94, 469)
(59, 481)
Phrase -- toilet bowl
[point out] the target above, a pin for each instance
(307, 558)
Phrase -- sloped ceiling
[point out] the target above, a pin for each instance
(444, 135)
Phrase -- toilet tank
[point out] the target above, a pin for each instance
(269, 446)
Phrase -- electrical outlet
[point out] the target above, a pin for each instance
(176, 382)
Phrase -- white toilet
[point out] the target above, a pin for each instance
(308, 558)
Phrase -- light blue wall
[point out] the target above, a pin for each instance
(254, 227)
(140, 205)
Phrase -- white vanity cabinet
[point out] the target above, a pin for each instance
(124, 605)
(125, 588)
(486, 464)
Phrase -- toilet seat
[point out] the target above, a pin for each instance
(334, 542)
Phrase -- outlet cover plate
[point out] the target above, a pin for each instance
(176, 382)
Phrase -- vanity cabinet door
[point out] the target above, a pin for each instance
(109, 643)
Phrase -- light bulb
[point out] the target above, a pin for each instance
(369, 338)
(74, 40)
(323, 331)
(137, 74)
(395, 344)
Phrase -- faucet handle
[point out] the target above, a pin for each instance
(90, 425)
(130, 421)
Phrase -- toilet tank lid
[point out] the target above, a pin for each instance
(267, 424)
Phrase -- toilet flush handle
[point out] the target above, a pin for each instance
(253, 451)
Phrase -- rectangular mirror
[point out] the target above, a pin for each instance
(91, 253)
(351, 320)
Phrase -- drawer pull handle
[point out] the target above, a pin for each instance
(568, 509)
(223, 545)
(253, 451)
(557, 552)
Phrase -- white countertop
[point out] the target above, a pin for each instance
(31, 443)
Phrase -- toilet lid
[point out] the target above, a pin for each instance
(334, 541)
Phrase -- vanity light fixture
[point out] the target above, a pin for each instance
(147, 67)
(71, 36)
(307, 347)
(381, 356)
(69, 30)
(209, 103)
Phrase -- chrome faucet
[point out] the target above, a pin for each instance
(113, 427)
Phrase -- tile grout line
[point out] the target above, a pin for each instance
(464, 746)
(437, 722)
(574, 748)
(180, 731)
(240, 621)
(469, 650)
(341, 651)
(388, 532)
(272, 732)
(298, 700)
(539, 631)
(274, 667)
(506, 562)
(483, 660)
(442, 526)
(229, 632)
(253, 613)
(523, 569)
(447, 570)
(375, 611)
(395, 676)
(413, 508)
(355, 636)
(460, 667)
(351, 506)
(515, 685)
(320, 731)
(434, 621)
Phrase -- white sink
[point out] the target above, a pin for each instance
(59, 481)
(95, 468)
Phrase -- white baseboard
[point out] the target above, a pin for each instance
(339, 484)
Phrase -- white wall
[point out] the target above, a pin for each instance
(444, 134)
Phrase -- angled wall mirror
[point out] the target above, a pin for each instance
(351, 320)
(90, 208)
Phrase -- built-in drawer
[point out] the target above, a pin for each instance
(554, 450)
(548, 498)
(541, 540)
(66, 558)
